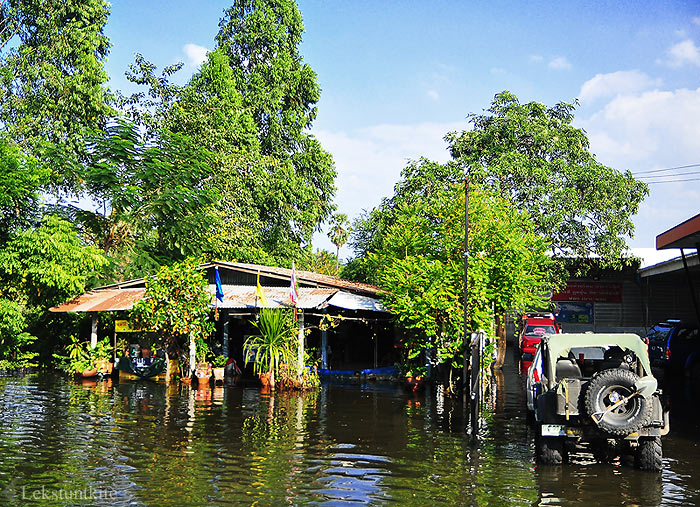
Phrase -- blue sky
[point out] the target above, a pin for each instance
(397, 76)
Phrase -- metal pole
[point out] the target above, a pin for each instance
(465, 369)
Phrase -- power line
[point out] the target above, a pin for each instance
(667, 169)
(670, 175)
(672, 181)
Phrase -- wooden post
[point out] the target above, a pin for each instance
(324, 345)
(300, 358)
(93, 332)
(193, 353)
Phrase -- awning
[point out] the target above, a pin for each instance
(685, 235)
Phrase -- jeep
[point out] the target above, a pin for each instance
(596, 390)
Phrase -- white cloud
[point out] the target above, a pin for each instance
(433, 94)
(369, 160)
(696, 20)
(497, 70)
(196, 55)
(683, 53)
(559, 63)
(616, 83)
(536, 58)
(647, 131)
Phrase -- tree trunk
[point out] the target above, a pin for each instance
(500, 341)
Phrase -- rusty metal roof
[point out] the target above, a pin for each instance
(105, 300)
(235, 297)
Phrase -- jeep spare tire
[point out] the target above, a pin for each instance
(605, 390)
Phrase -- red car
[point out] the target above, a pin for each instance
(534, 327)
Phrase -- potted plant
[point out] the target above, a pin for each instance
(202, 368)
(218, 365)
(102, 355)
(272, 346)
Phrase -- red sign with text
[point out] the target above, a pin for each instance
(603, 292)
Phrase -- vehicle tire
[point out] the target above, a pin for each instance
(604, 389)
(550, 450)
(649, 454)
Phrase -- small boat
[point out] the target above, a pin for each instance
(141, 368)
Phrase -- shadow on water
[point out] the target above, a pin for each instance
(144, 443)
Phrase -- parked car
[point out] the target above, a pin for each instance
(674, 345)
(596, 389)
(534, 326)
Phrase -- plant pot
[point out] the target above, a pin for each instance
(87, 373)
(265, 379)
(203, 382)
(218, 374)
(186, 380)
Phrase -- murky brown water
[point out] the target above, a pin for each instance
(152, 444)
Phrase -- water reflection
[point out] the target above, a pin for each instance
(151, 443)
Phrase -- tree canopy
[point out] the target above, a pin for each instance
(419, 261)
(52, 79)
(534, 155)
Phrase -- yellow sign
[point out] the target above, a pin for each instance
(124, 326)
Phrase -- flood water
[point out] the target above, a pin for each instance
(65, 443)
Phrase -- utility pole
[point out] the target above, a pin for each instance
(465, 371)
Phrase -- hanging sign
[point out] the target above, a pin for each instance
(124, 326)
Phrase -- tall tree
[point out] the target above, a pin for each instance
(420, 262)
(251, 105)
(338, 233)
(52, 78)
(533, 154)
(154, 201)
(20, 186)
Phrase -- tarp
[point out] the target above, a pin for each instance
(350, 301)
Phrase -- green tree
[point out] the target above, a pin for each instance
(420, 264)
(251, 115)
(294, 190)
(321, 261)
(39, 268)
(534, 155)
(52, 80)
(176, 306)
(153, 200)
(19, 188)
(338, 233)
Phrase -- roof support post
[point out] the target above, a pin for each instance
(93, 331)
(300, 337)
(691, 286)
(193, 353)
(324, 342)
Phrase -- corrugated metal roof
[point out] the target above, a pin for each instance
(302, 276)
(242, 296)
(106, 300)
(235, 297)
(284, 274)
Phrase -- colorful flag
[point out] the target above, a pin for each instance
(260, 293)
(293, 291)
(219, 290)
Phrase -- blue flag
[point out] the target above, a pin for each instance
(219, 290)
